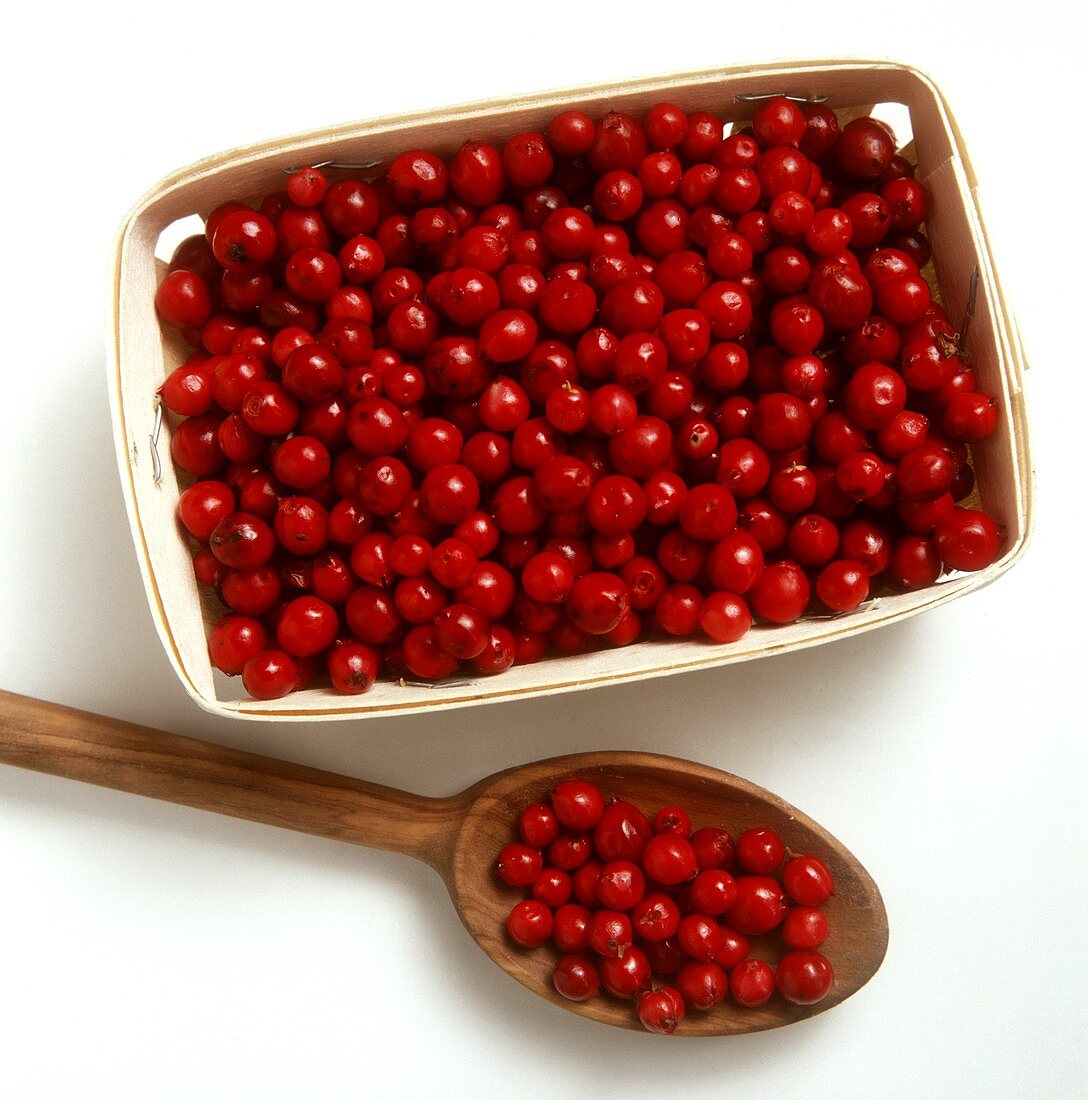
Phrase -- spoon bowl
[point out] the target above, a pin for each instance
(856, 914)
(461, 836)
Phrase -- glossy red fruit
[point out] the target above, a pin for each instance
(760, 851)
(620, 885)
(242, 541)
(843, 585)
(661, 1010)
(752, 983)
(575, 977)
(967, 539)
(530, 923)
(760, 905)
(234, 641)
(519, 865)
(353, 667)
(622, 832)
(782, 592)
(625, 975)
(804, 928)
(578, 804)
(804, 977)
(597, 602)
(184, 299)
(807, 880)
(670, 859)
(271, 674)
(703, 985)
(714, 848)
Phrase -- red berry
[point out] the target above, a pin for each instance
(625, 975)
(967, 539)
(752, 983)
(620, 885)
(760, 851)
(661, 1010)
(669, 859)
(807, 880)
(270, 674)
(622, 832)
(703, 985)
(804, 977)
(610, 933)
(578, 804)
(183, 299)
(575, 977)
(804, 928)
(782, 593)
(760, 905)
(234, 641)
(529, 923)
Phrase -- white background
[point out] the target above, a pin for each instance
(154, 951)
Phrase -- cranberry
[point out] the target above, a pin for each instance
(700, 937)
(307, 626)
(843, 585)
(669, 859)
(622, 832)
(926, 472)
(760, 905)
(864, 149)
(782, 593)
(242, 541)
(625, 975)
(597, 602)
(970, 417)
(804, 928)
(569, 851)
(244, 241)
(804, 977)
(610, 933)
(760, 851)
(967, 539)
(530, 923)
(714, 848)
(552, 886)
(661, 1010)
(915, 562)
(271, 674)
(875, 396)
(571, 133)
(184, 299)
(575, 977)
(620, 885)
(519, 865)
(678, 610)
(703, 985)
(234, 641)
(752, 983)
(708, 512)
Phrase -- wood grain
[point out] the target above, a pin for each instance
(62, 741)
(460, 836)
(140, 357)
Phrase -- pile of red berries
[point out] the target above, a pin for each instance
(627, 903)
(617, 377)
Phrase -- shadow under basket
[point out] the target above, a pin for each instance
(140, 357)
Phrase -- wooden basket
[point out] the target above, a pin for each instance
(140, 358)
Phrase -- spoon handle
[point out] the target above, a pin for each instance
(75, 744)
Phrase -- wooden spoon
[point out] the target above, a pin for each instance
(459, 836)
